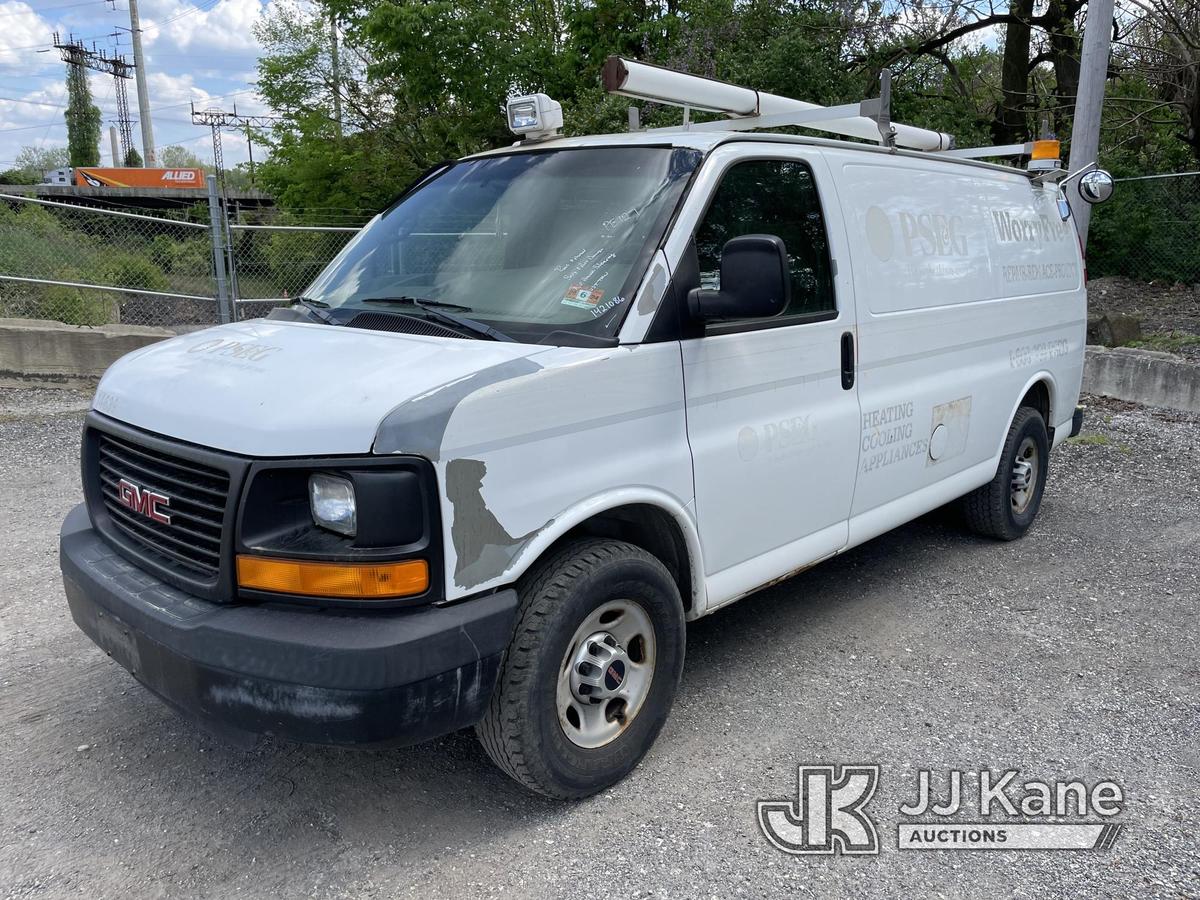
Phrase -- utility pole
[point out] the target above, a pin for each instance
(337, 75)
(143, 92)
(250, 151)
(1085, 130)
(116, 148)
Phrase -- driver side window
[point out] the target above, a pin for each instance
(772, 196)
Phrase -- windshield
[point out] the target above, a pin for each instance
(531, 243)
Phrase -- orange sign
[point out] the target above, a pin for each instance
(146, 178)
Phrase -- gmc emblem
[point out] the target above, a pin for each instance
(144, 501)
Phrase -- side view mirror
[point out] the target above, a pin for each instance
(755, 281)
(1096, 186)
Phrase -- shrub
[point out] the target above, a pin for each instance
(131, 271)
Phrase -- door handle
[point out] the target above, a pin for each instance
(847, 360)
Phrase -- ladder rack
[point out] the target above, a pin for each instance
(747, 108)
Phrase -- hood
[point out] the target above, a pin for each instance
(273, 388)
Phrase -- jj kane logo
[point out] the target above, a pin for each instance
(978, 810)
(827, 815)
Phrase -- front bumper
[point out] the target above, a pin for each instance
(326, 676)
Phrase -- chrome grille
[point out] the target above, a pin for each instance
(198, 498)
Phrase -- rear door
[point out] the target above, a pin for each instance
(772, 425)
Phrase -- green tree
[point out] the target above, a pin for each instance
(83, 119)
(133, 159)
(423, 82)
(32, 163)
(175, 157)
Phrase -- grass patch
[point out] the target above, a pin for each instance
(1169, 342)
(1091, 439)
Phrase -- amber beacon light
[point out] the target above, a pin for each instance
(1045, 150)
(364, 581)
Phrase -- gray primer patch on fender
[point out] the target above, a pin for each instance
(483, 547)
(419, 424)
(653, 291)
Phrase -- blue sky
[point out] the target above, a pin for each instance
(202, 50)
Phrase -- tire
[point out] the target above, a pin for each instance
(999, 509)
(525, 729)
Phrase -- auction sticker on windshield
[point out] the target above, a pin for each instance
(582, 297)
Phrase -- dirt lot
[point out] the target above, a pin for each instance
(1170, 313)
(1071, 653)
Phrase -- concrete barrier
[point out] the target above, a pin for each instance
(1142, 376)
(37, 352)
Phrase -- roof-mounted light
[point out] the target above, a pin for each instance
(1044, 156)
(535, 116)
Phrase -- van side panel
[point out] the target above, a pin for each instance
(969, 288)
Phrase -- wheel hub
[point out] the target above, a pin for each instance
(606, 673)
(1024, 478)
(1022, 475)
(599, 668)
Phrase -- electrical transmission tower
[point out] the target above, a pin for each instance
(219, 119)
(79, 58)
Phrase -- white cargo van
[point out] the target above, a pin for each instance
(559, 399)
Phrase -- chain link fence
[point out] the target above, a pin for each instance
(274, 263)
(83, 265)
(86, 266)
(1149, 230)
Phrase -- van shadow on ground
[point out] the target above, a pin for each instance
(170, 770)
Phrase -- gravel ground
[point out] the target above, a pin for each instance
(1071, 653)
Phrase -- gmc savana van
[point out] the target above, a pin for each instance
(558, 400)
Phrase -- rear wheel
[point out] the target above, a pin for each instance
(591, 672)
(1005, 507)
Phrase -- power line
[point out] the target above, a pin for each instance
(31, 127)
(154, 110)
(205, 6)
(38, 12)
(30, 102)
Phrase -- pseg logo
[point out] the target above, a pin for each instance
(829, 814)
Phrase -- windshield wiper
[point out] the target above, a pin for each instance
(317, 309)
(437, 310)
(417, 301)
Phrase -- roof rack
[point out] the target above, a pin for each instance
(747, 108)
(1000, 150)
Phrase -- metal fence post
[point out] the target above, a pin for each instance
(224, 308)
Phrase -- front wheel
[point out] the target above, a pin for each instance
(1006, 506)
(591, 672)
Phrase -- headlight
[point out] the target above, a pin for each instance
(333, 504)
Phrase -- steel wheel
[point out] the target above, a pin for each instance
(1024, 475)
(606, 673)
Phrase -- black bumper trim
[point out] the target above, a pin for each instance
(376, 677)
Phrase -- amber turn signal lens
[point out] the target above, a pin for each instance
(363, 581)
(1045, 150)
